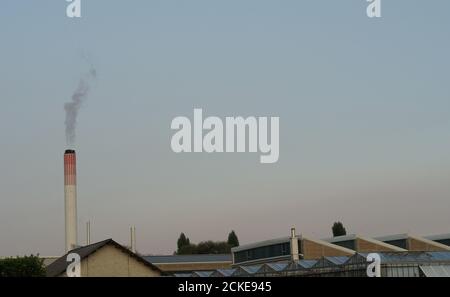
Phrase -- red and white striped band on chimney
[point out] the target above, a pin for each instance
(70, 168)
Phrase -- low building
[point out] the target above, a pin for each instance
(180, 264)
(105, 259)
(413, 243)
(286, 249)
(363, 244)
(392, 264)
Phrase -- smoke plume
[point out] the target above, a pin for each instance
(72, 108)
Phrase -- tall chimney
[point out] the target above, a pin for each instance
(70, 198)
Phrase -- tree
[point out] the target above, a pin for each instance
(338, 229)
(189, 249)
(233, 240)
(213, 247)
(182, 242)
(28, 266)
(185, 247)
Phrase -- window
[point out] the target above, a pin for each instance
(401, 243)
(349, 244)
(275, 250)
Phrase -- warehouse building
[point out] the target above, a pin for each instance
(286, 249)
(296, 248)
(105, 259)
(363, 244)
(392, 264)
(413, 243)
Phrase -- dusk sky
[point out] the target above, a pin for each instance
(364, 107)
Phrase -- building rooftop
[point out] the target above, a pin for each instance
(418, 238)
(396, 264)
(59, 266)
(261, 243)
(330, 245)
(172, 259)
(393, 237)
(368, 239)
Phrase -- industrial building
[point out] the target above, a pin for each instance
(285, 249)
(413, 243)
(106, 259)
(294, 255)
(393, 264)
(343, 256)
(299, 247)
(305, 248)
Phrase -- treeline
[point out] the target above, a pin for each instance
(185, 247)
(28, 266)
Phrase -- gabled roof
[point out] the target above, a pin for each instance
(202, 273)
(330, 262)
(247, 270)
(276, 267)
(352, 237)
(305, 264)
(358, 258)
(338, 260)
(59, 266)
(223, 272)
(300, 265)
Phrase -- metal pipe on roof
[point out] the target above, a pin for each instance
(294, 246)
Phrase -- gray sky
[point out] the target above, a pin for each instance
(364, 109)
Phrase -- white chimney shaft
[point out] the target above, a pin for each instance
(294, 246)
(133, 239)
(70, 199)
